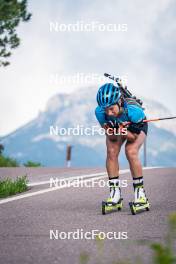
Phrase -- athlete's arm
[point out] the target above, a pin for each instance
(136, 115)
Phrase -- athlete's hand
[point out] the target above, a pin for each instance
(111, 127)
(124, 124)
(113, 124)
(108, 130)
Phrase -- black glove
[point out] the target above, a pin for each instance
(112, 124)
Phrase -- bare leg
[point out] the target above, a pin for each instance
(132, 154)
(113, 148)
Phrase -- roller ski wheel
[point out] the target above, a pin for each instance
(139, 207)
(108, 207)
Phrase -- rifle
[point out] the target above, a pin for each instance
(125, 92)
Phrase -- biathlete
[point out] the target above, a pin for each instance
(114, 111)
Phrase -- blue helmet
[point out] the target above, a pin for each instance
(108, 95)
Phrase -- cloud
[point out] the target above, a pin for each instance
(145, 53)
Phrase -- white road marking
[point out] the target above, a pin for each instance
(95, 176)
(82, 176)
(68, 178)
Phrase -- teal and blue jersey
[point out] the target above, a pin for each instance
(131, 113)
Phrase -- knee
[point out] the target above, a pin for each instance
(112, 154)
(131, 153)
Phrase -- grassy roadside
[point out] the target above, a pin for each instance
(10, 187)
(162, 253)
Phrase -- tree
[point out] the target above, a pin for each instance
(1, 149)
(12, 12)
(32, 164)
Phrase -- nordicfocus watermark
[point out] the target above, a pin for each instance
(81, 26)
(80, 78)
(80, 234)
(80, 181)
(81, 130)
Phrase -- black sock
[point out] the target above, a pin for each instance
(114, 182)
(138, 182)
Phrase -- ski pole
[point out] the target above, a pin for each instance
(153, 120)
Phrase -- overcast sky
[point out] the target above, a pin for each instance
(145, 53)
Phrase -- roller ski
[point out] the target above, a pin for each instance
(140, 202)
(114, 202)
(109, 206)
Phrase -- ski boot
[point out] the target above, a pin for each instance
(114, 202)
(140, 203)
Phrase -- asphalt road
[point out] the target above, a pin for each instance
(25, 224)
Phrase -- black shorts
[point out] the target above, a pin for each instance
(144, 128)
(137, 128)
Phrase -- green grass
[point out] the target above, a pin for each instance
(8, 162)
(163, 253)
(32, 164)
(9, 187)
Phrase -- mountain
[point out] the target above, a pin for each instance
(33, 141)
